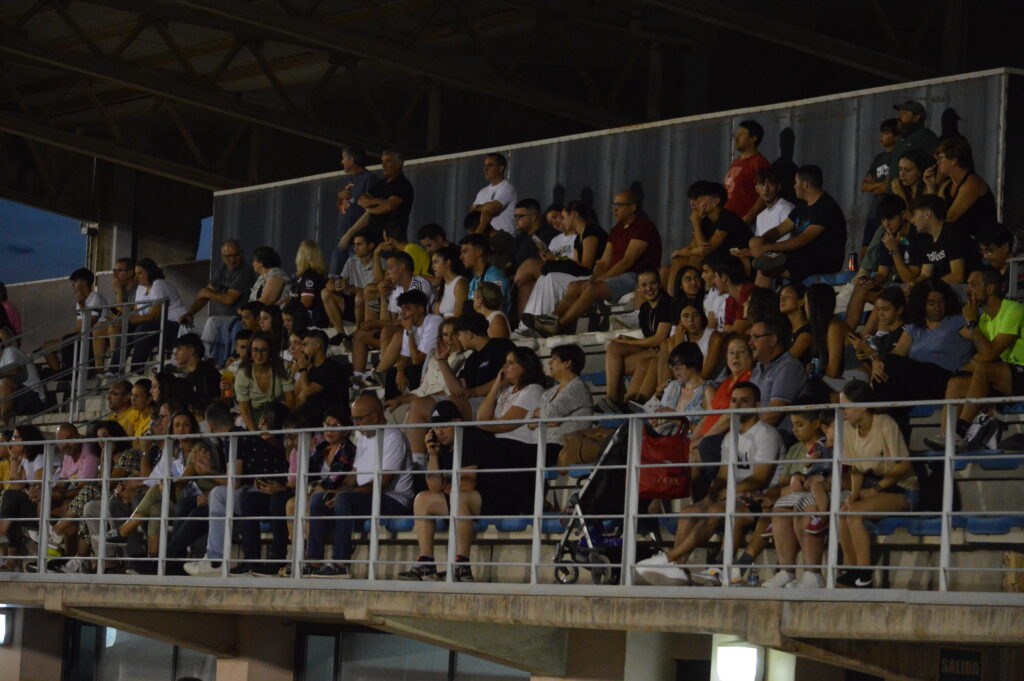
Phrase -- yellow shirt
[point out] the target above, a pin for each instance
(5, 472)
(127, 419)
(420, 259)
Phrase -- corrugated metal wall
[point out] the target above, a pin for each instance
(838, 133)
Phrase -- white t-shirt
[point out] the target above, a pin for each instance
(714, 303)
(425, 335)
(761, 444)
(529, 399)
(161, 288)
(506, 194)
(563, 245)
(770, 218)
(95, 299)
(26, 374)
(396, 458)
(418, 284)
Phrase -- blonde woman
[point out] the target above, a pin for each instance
(310, 278)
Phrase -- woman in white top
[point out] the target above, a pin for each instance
(271, 287)
(515, 394)
(145, 319)
(692, 327)
(487, 300)
(451, 298)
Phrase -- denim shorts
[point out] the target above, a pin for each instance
(621, 285)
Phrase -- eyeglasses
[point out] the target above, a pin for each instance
(759, 336)
(360, 419)
(620, 205)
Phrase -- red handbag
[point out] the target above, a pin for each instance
(670, 482)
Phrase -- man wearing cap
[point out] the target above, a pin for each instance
(479, 495)
(912, 133)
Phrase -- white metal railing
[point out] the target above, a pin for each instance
(541, 566)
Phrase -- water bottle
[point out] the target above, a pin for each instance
(753, 578)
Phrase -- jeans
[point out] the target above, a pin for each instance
(346, 505)
(259, 504)
(186, 533)
(215, 338)
(218, 498)
(143, 345)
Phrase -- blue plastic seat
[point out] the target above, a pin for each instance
(580, 471)
(669, 524)
(932, 527)
(512, 524)
(551, 525)
(595, 378)
(884, 527)
(923, 411)
(552, 475)
(1016, 408)
(959, 462)
(993, 525)
(988, 464)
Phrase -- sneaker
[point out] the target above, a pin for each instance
(709, 577)
(855, 579)
(767, 534)
(74, 566)
(202, 568)
(462, 573)
(423, 571)
(645, 569)
(330, 570)
(337, 339)
(780, 580)
(938, 442)
(659, 571)
(769, 261)
(547, 325)
(808, 580)
(817, 525)
(264, 570)
(286, 571)
(114, 537)
(240, 570)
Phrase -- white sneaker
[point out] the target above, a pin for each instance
(675, 576)
(202, 568)
(645, 568)
(780, 580)
(808, 580)
(73, 566)
(709, 577)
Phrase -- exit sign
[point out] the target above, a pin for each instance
(958, 664)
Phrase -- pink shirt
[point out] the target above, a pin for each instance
(87, 466)
(12, 314)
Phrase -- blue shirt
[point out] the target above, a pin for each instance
(361, 184)
(492, 273)
(942, 345)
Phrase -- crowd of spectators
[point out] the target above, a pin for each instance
(430, 332)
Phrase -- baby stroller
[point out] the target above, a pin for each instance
(596, 543)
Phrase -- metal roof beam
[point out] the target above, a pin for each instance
(107, 150)
(772, 30)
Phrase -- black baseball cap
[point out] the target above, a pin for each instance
(912, 106)
(445, 411)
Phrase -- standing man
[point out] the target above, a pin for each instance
(495, 202)
(739, 181)
(358, 182)
(876, 184)
(911, 131)
(231, 283)
(389, 200)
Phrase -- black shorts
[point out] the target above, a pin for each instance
(1016, 379)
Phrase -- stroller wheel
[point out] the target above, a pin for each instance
(567, 574)
(601, 573)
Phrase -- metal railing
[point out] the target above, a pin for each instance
(535, 536)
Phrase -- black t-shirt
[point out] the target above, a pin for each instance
(737, 232)
(401, 187)
(602, 239)
(205, 380)
(307, 285)
(498, 491)
(883, 170)
(258, 456)
(910, 248)
(331, 376)
(942, 252)
(650, 316)
(483, 365)
(825, 254)
(523, 247)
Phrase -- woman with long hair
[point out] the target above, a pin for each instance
(450, 298)
(19, 499)
(261, 380)
(310, 278)
(791, 306)
(515, 394)
(271, 322)
(145, 317)
(828, 333)
(890, 312)
(909, 181)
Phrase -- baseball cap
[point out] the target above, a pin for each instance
(445, 411)
(912, 106)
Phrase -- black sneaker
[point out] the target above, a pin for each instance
(264, 570)
(337, 339)
(114, 537)
(332, 571)
(240, 569)
(855, 579)
(462, 573)
(423, 571)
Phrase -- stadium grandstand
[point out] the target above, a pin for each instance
(732, 395)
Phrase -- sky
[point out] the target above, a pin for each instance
(35, 244)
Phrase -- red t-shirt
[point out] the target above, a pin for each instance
(734, 308)
(644, 230)
(739, 182)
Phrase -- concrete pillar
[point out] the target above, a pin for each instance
(266, 651)
(650, 656)
(35, 648)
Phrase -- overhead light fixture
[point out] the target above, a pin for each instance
(737, 661)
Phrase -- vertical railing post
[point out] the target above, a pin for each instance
(45, 499)
(301, 502)
(947, 496)
(377, 491)
(229, 505)
(165, 503)
(538, 502)
(160, 340)
(76, 368)
(834, 505)
(83, 361)
(105, 466)
(634, 433)
(455, 498)
(123, 350)
(732, 454)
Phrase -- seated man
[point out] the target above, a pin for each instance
(401, 362)
(343, 296)
(432, 238)
(633, 245)
(760, 447)
(74, 488)
(468, 388)
(319, 381)
(499, 244)
(355, 495)
(119, 400)
(995, 326)
(817, 229)
(533, 237)
(996, 244)
(231, 283)
(394, 242)
(730, 281)
(716, 230)
(197, 371)
(21, 391)
(477, 494)
(377, 332)
(86, 296)
(943, 254)
(475, 251)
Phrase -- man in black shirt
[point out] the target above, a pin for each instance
(531, 227)
(468, 389)
(390, 199)
(200, 373)
(818, 235)
(478, 494)
(319, 382)
(942, 248)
